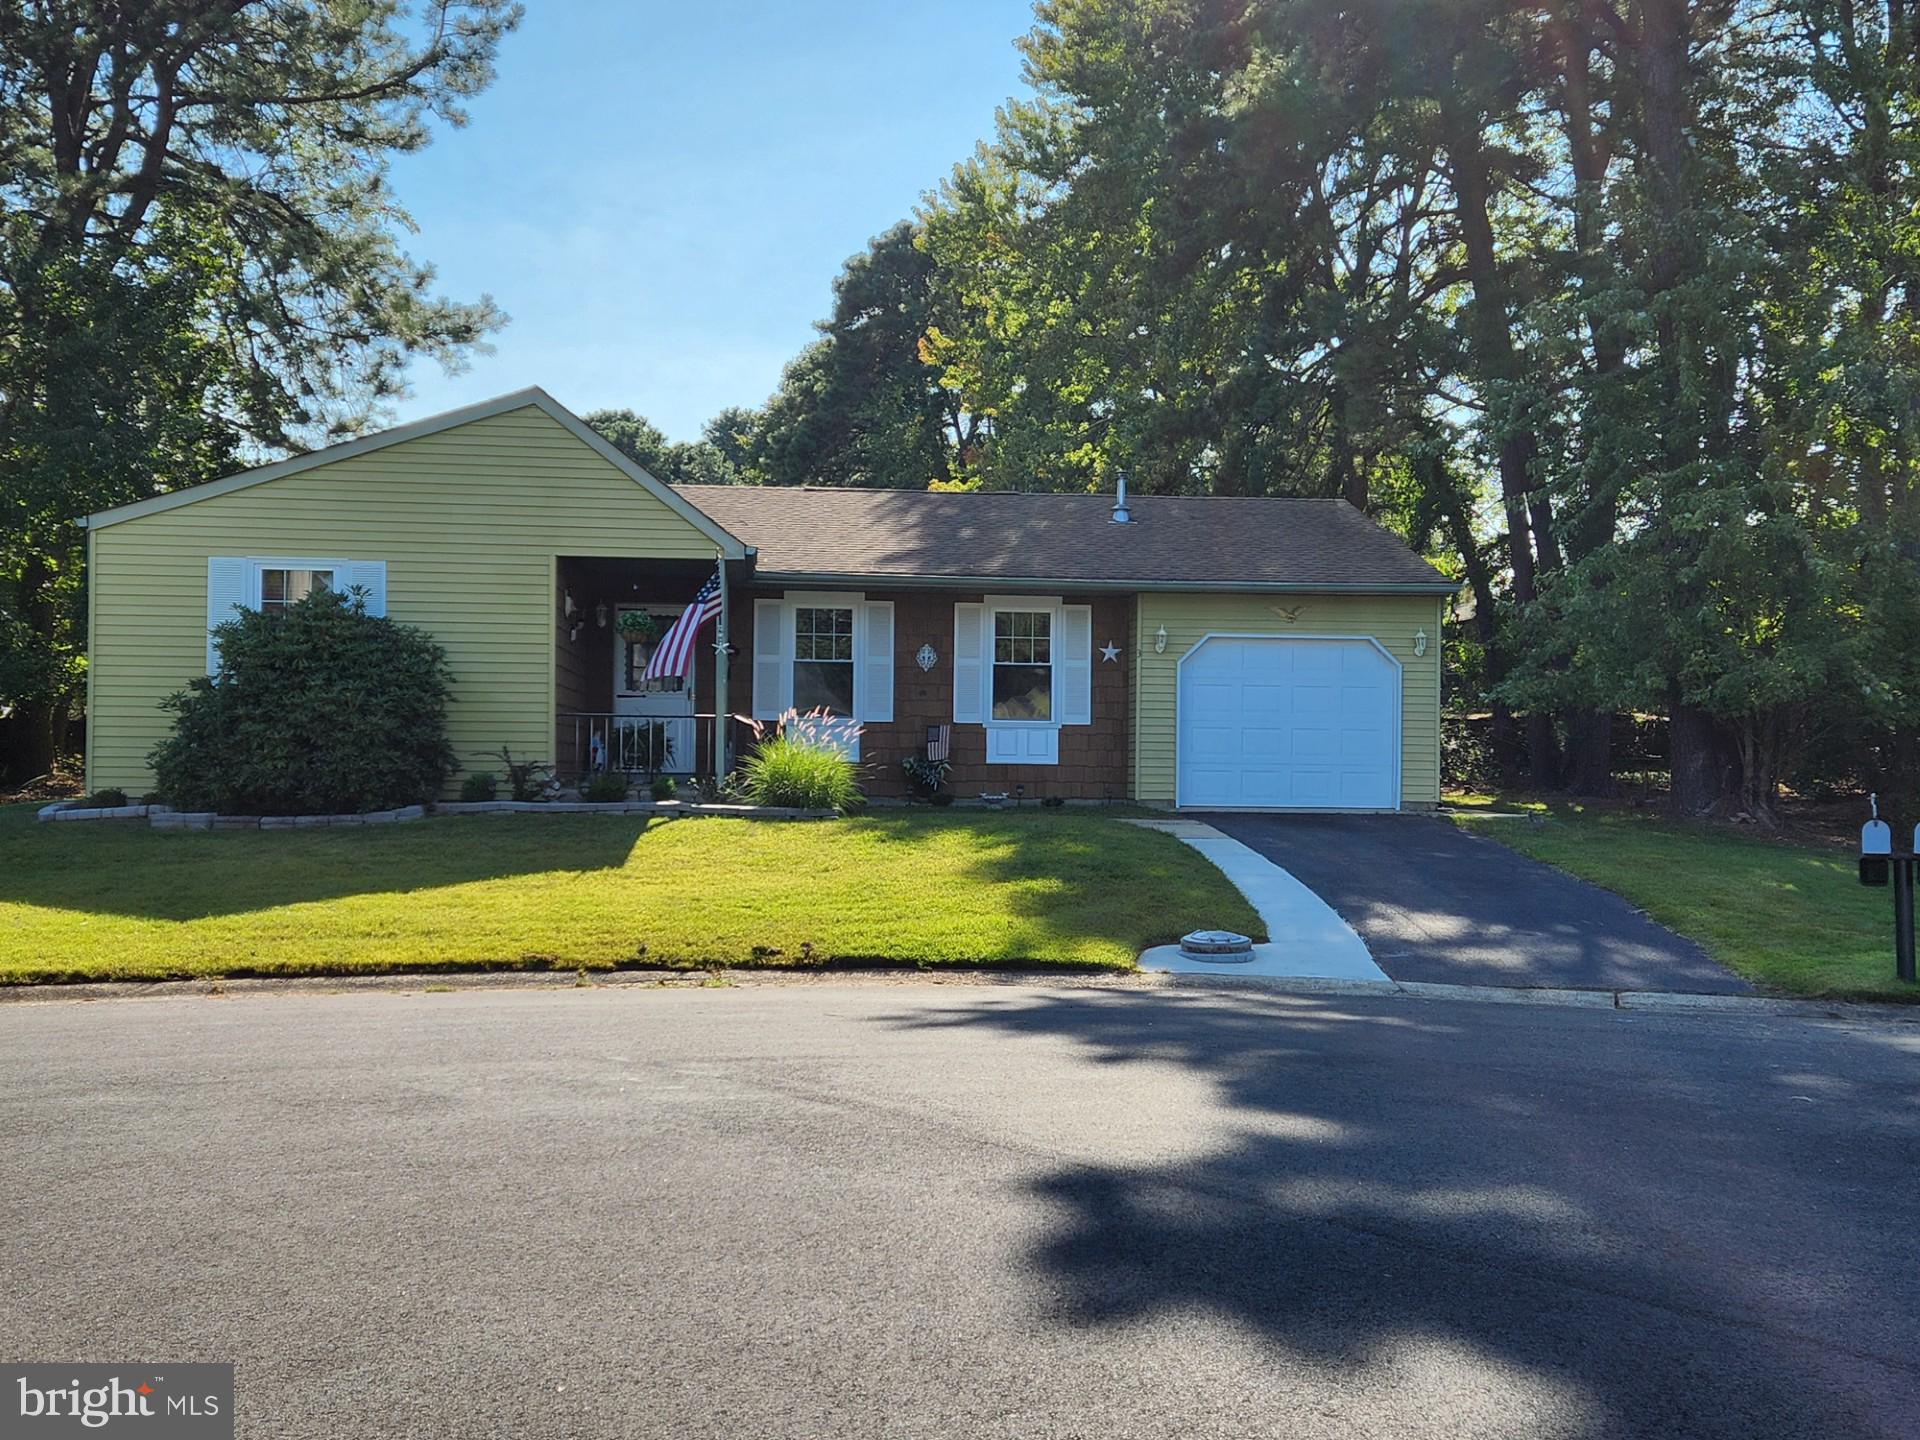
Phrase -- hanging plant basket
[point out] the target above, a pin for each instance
(638, 625)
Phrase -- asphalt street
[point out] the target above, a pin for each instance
(1012, 1211)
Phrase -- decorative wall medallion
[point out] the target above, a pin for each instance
(1109, 651)
(926, 659)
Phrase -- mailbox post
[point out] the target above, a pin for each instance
(1879, 862)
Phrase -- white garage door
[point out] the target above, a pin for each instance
(1286, 723)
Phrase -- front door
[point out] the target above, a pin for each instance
(653, 728)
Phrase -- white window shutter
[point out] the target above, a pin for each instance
(370, 576)
(1075, 665)
(969, 664)
(876, 667)
(770, 674)
(229, 583)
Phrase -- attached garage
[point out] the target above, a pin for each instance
(1288, 722)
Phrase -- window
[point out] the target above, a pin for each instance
(1023, 665)
(823, 659)
(280, 588)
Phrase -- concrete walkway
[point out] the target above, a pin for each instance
(1308, 940)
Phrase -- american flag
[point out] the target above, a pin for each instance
(673, 656)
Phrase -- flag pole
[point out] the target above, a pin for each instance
(720, 728)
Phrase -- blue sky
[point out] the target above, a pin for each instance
(660, 195)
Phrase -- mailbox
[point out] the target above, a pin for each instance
(1879, 865)
(1876, 845)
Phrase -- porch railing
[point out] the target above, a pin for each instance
(588, 743)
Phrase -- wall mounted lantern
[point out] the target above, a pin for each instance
(1160, 641)
(1419, 642)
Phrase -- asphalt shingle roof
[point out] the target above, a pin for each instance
(1205, 540)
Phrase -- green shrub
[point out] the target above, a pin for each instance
(606, 788)
(925, 777)
(663, 787)
(109, 799)
(479, 787)
(319, 708)
(787, 770)
(527, 779)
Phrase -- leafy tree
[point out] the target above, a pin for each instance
(1612, 303)
(641, 441)
(199, 258)
(860, 406)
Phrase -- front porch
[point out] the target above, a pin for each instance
(607, 717)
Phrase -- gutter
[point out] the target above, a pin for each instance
(1054, 583)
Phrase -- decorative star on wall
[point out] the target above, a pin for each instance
(1109, 651)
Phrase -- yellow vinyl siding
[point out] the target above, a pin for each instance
(468, 520)
(1393, 620)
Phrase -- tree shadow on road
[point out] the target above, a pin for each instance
(1530, 1224)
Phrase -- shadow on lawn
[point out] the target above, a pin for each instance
(1050, 888)
(125, 868)
(1461, 1220)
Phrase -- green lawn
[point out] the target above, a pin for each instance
(1791, 917)
(116, 900)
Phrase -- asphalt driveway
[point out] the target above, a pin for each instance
(1012, 1212)
(1435, 903)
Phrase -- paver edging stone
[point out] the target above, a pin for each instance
(165, 817)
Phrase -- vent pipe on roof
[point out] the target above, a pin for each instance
(1120, 515)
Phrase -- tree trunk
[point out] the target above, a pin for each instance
(1457, 520)
(1497, 365)
(1531, 545)
(1760, 743)
(1543, 750)
(1706, 771)
(1589, 757)
(30, 740)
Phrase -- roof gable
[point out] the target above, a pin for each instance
(535, 398)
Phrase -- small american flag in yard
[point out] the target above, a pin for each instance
(673, 656)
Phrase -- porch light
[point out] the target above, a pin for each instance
(1160, 641)
(600, 614)
(1420, 642)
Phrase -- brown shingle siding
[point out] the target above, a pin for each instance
(1093, 758)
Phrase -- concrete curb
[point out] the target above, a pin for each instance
(744, 977)
(1652, 1001)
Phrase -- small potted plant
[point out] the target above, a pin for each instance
(638, 625)
(925, 778)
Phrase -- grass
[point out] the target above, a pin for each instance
(1792, 917)
(117, 900)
